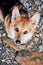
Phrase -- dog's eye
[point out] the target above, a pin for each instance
(16, 29)
(25, 32)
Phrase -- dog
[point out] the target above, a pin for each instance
(21, 28)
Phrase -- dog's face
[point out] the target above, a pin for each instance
(21, 29)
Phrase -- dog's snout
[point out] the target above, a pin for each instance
(18, 41)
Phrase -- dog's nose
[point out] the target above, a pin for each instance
(18, 41)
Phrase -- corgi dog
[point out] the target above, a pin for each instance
(20, 28)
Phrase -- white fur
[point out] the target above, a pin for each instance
(25, 38)
(35, 19)
(15, 13)
(12, 34)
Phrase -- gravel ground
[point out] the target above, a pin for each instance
(7, 53)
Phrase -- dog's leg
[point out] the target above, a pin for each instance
(11, 44)
(34, 59)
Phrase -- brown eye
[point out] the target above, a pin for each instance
(25, 32)
(16, 29)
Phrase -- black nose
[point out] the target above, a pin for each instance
(17, 41)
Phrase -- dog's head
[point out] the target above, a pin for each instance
(21, 29)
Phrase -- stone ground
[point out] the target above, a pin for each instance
(7, 53)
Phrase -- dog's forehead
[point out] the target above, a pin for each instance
(23, 21)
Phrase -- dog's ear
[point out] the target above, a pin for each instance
(1, 15)
(7, 20)
(15, 13)
(35, 19)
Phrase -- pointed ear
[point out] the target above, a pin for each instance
(15, 13)
(35, 19)
(1, 15)
(7, 20)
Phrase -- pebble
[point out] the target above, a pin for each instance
(3, 60)
(41, 48)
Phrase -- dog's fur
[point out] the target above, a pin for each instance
(1, 15)
(20, 28)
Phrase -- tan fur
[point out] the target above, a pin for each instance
(7, 22)
(1, 15)
(22, 23)
(32, 59)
